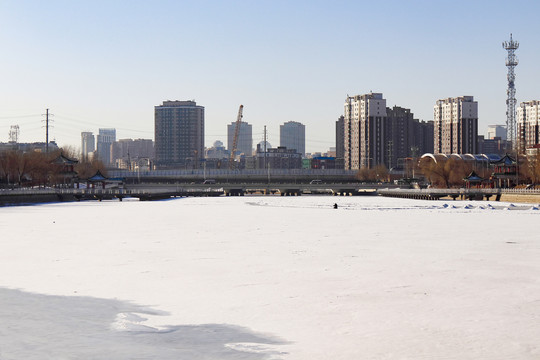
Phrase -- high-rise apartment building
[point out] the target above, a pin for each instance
(364, 131)
(340, 136)
(399, 134)
(292, 135)
(406, 136)
(88, 144)
(105, 139)
(528, 121)
(340, 144)
(423, 131)
(245, 138)
(456, 126)
(179, 133)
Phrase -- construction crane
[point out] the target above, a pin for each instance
(235, 138)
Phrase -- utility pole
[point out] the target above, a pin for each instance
(414, 152)
(129, 159)
(47, 130)
(265, 150)
(390, 153)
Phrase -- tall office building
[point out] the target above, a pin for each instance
(494, 131)
(124, 152)
(364, 131)
(245, 138)
(105, 139)
(528, 121)
(179, 133)
(456, 126)
(88, 144)
(292, 135)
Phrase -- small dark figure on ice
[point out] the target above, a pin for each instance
(335, 206)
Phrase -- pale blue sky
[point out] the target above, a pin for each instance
(108, 63)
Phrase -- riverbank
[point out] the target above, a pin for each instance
(511, 198)
(522, 198)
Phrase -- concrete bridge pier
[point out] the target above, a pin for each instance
(234, 192)
(290, 192)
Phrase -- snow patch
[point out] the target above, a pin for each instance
(256, 348)
(130, 322)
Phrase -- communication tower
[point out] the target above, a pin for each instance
(14, 134)
(511, 62)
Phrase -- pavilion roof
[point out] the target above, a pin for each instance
(473, 176)
(63, 160)
(505, 160)
(98, 176)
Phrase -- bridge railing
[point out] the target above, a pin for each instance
(521, 191)
(432, 191)
(209, 173)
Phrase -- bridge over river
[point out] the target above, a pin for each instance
(241, 189)
(158, 191)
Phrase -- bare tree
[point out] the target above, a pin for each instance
(530, 168)
(377, 173)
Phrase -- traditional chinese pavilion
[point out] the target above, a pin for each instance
(100, 181)
(473, 181)
(66, 168)
(505, 171)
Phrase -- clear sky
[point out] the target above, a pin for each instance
(107, 63)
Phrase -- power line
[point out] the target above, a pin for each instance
(103, 125)
(19, 116)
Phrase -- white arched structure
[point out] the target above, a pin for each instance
(429, 155)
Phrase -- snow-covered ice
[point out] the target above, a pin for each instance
(270, 278)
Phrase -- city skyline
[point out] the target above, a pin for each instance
(96, 66)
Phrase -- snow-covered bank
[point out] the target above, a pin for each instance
(377, 278)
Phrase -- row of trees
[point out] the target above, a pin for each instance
(450, 172)
(375, 174)
(38, 169)
(532, 168)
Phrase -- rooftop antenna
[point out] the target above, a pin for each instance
(511, 62)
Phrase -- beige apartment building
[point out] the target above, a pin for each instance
(456, 126)
(364, 131)
(528, 118)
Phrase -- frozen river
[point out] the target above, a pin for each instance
(270, 278)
